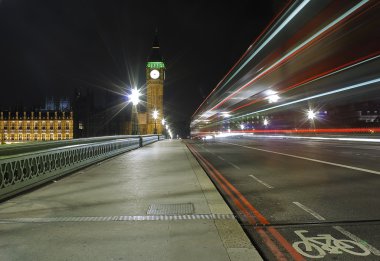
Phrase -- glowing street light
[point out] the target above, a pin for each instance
(134, 97)
(163, 121)
(155, 116)
(311, 114)
(272, 96)
(266, 122)
(242, 126)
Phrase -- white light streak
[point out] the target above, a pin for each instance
(355, 86)
(286, 21)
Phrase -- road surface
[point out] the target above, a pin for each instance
(300, 199)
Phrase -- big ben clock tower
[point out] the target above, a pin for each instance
(155, 76)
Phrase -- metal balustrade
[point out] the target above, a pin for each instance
(21, 172)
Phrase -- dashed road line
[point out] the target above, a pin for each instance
(220, 158)
(371, 248)
(310, 211)
(262, 182)
(233, 165)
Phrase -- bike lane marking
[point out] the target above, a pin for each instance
(309, 159)
(321, 245)
(262, 182)
(353, 237)
(310, 211)
(371, 248)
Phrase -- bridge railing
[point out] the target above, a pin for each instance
(22, 172)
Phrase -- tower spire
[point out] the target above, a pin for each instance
(155, 55)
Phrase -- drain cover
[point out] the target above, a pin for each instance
(171, 209)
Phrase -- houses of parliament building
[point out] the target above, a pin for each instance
(47, 124)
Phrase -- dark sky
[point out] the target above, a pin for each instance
(49, 48)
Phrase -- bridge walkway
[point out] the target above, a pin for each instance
(153, 203)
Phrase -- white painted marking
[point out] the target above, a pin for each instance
(314, 160)
(308, 137)
(371, 248)
(233, 165)
(321, 245)
(262, 182)
(220, 158)
(310, 211)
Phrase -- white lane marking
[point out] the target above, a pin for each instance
(315, 138)
(310, 211)
(319, 161)
(373, 250)
(262, 182)
(233, 165)
(220, 158)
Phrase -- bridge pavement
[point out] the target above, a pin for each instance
(154, 203)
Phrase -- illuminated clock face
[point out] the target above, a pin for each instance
(154, 74)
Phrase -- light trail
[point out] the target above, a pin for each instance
(326, 61)
(320, 76)
(355, 86)
(290, 53)
(287, 20)
(245, 53)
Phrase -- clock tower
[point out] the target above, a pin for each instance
(155, 76)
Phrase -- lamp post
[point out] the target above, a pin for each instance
(134, 98)
(266, 122)
(155, 116)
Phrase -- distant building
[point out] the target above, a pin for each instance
(36, 126)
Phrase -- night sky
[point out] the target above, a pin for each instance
(50, 48)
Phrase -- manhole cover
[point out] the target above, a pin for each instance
(171, 209)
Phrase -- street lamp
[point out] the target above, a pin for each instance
(163, 122)
(134, 98)
(311, 115)
(155, 116)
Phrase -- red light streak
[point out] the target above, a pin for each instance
(300, 131)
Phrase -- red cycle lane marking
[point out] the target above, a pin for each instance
(219, 178)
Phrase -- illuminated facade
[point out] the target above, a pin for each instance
(155, 75)
(36, 126)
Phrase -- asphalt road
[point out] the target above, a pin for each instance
(300, 199)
